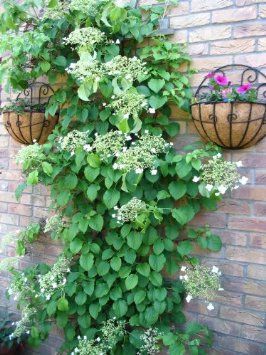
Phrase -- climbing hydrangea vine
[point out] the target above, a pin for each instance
(121, 196)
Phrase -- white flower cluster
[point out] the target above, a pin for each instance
(109, 144)
(128, 68)
(56, 12)
(130, 211)
(86, 70)
(111, 331)
(23, 325)
(219, 175)
(55, 225)
(88, 7)
(141, 154)
(85, 38)
(73, 140)
(31, 157)
(201, 281)
(128, 103)
(21, 287)
(150, 339)
(55, 279)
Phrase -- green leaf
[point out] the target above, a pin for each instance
(76, 245)
(139, 296)
(103, 268)
(177, 189)
(134, 240)
(96, 222)
(157, 262)
(184, 247)
(156, 278)
(144, 269)
(116, 263)
(47, 168)
(214, 243)
(81, 298)
(92, 192)
(110, 198)
(19, 190)
(33, 178)
(156, 84)
(183, 214)
(131, 281)
(91, 173)
(94, 160)
(70, 181)
(86, 261)
(94, 310)
(45, 66)
(157, 101)
(60, 61)
(62, 304)
(120, 308)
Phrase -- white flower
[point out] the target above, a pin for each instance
(239, 164)
(222, 189)
(217, 156)
(115, 166)
(115, 208)
(236, 187)
(215, 269)
(209, 187)
(117, 41)
(104, 104)
(243, 180)
(220, 289)
(181, 277)
(196, 179)
(185, 277)
(152, 110)
(210, 307)
(139, 170)
(126, 115)
(98, 339)
(183, 268)
(188, 298)
(154, 172)
(113, 215)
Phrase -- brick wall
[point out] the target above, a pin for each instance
(218, 32)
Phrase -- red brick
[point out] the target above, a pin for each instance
(229, 298)
(232, 237)
(186, 21)
(250, 59)
(10, 197)
(260, 177)
(242, 316)
(234, 15)
(207, 63)
(257, 303)
(248, 2)
(254, 333)
(248, 224)
(252, 287)
(22, 210)
(216, 220)
(233, 46)
(234, 207)
(203, 5)
(262, 45)
(221, 326)
(227, 268)
(239, 345)
(197, 306)
(198, 49)
(249, 30)
(181, 9)
(256, 272)
(257, 240)
(210, 33)
(9, 218)
(246, 255)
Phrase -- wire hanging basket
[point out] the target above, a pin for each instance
(234, 124)
(31, 125)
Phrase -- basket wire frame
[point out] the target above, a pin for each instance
(247, 74)
(36, 93)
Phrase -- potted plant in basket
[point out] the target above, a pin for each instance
(9, 345)
(27, 122)
(227, 114)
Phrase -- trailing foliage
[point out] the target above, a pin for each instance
(123, 197)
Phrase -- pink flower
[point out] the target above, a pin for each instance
(221, 80)
(210, 75)
(243, 88)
